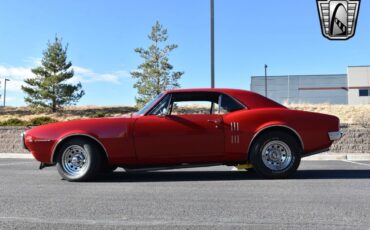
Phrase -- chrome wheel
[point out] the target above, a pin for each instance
(75, 160)
(276, 155)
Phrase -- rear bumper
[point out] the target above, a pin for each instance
(334, 136)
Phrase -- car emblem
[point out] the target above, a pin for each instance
(338, 18)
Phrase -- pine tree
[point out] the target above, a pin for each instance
(49, 89)
(155, 74)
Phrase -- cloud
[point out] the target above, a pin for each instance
(13, 99)
(33, 61)
(17, 74)
(87, 75)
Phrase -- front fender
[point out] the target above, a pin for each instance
(76, 133)
(115, 135)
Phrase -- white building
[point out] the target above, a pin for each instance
(350, 88)
(358, 85)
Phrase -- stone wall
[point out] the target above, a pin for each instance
(10, 139)
(355, 140)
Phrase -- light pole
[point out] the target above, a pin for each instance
(266, 80)
(5, 80)
(212, 44)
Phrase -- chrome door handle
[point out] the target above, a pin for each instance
(216, 121)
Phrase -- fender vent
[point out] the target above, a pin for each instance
(234, 127)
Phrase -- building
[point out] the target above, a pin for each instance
(358, 85)
(350, 88)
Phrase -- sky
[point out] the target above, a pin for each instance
(102, 36)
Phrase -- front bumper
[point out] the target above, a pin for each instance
(334, 136)
(23, 141)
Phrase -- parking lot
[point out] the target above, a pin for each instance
(321, 195)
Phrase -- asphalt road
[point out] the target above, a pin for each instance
(322, 195)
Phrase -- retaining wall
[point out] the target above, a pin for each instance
(355, 140)
(10, 139)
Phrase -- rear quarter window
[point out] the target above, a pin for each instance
(229, 105)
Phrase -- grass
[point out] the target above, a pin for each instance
(348, 114)
(69, 113)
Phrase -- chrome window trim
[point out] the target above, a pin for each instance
(76, 134)
(153, 106)
(219, 103)
(271, 126)
(159, 101)
(169, 106)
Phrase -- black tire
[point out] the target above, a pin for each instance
(79, 159)
(276, 155)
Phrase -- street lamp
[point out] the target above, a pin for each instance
(5, 80)
(266, 80)
(212, 44)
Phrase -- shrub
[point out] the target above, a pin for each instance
(41, 121)
(99, 114)
(38, 109)
(362, 119)
(13, 122)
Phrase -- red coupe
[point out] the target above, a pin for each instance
(186, 128)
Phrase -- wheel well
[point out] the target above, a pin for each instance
(79, 136)
(284, 129)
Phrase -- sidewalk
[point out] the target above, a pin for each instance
(339, 156)
(318, 157)
(16, 156)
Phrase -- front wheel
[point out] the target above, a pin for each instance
(276, 155)
(78, 160)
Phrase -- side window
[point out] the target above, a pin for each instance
(229, 105)
(364, 92)
(191, 107)
(194, 103)
(162, 107)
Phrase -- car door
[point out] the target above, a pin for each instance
(179, 138)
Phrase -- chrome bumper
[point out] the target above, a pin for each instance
(334, 136)
(23, 143)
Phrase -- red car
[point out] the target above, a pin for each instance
(185, 128)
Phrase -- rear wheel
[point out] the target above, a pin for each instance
(78, 159)
(276, 155)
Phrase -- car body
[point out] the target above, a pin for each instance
(187, 127)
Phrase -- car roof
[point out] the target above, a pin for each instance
(248, 98)
(219, 90)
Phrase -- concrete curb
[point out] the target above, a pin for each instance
(339, 156)
(318, 157)
(16, 156)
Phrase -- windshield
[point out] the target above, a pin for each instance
(148, 105)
